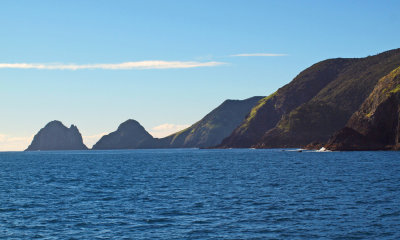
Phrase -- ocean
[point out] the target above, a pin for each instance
(199, 194)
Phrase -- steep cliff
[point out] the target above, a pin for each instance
(267, 113)
(332, 107)
(318, 102)
(375, 126)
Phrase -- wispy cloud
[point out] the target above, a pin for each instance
(166, 129)
(259, 55)
(10, 143)
(113, 66)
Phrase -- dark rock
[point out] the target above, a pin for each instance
(129, 135)
(56, 136)
(314, 146)
(347, 139)
(376, 125)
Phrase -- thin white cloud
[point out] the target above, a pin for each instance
(90, 140)
(166, 129)
(259, 55)
(10, 143)
(113, 66)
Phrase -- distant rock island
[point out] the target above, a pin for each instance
(129, 135)
(56, 136)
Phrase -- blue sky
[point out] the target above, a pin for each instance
(85, 42)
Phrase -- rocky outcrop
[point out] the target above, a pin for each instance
(56, 136)
(129, 135)
(375, 126)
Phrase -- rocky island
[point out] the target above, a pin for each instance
(129, 135)
(56, 136)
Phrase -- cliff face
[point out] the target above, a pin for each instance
(55, 136)
(318, 102)
(214, 127)
(375, 126)
(129, 135)
(267, 113)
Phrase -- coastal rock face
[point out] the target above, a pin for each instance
(267, 113)
(129, 135)
(316, 104)
(214, 127)
(375, 126)
(56, 136)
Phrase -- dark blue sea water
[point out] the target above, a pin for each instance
(200, 194)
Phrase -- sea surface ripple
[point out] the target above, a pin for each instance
(199, 194)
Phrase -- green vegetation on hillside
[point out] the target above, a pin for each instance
(254, 111)
(375, 126)
(270, 110)
(214, 127)
(318, 102)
